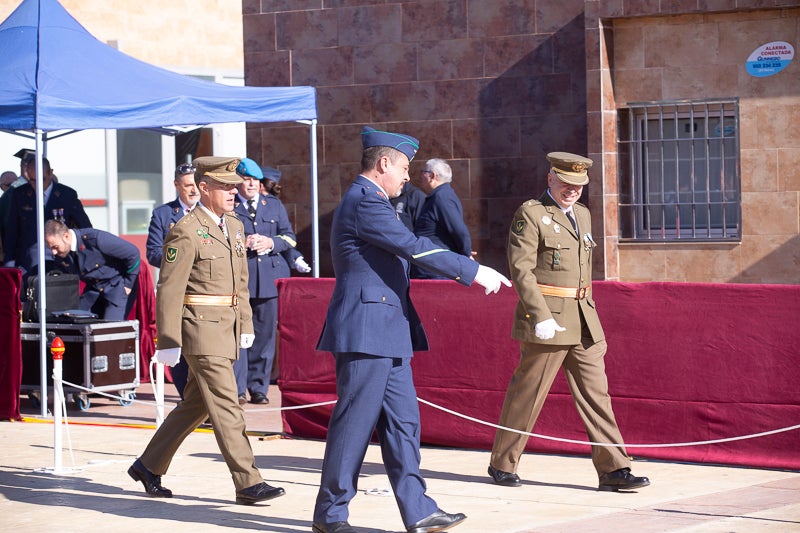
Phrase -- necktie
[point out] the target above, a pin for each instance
(251, 208)
(222, 227)
(572, 221)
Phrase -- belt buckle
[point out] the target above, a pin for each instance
(235, 300)
(580, 294)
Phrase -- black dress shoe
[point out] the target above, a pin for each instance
(333, 527)
(507, 479)
(151, 482)
(438, 521)
(621, 479)
(258, 493)
(259, 397)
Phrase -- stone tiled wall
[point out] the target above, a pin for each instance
(491, 86)
(695, 56)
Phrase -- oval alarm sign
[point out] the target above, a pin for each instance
(769, 59)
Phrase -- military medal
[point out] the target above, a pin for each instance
(556, 228)
(546, 220)
(239, 246)
(203, 234)
(556, 258)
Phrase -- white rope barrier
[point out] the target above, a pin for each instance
(484, 423)
(589, 443)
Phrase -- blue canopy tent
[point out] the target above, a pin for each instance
(57, 76)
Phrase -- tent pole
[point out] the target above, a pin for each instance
(42, 303)
(314, 201)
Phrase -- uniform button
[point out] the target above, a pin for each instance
(383, 298)
(527, 315)
(200, 316)
(97, 265)
(559, 246)
(101, 289)
(458, 278)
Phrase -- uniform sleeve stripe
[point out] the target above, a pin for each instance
(429, 252)
(134, 267)
(291, 242)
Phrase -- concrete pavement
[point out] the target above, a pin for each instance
(94, 492)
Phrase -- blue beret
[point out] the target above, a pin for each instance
(271, 174)
(248, 167)
(404, 143)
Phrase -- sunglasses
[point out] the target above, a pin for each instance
(186, 168)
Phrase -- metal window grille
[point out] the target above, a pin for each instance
(679, 171)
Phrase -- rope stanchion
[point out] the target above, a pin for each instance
(589, 443)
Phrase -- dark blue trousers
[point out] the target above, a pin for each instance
(374, 393)
(254, 366)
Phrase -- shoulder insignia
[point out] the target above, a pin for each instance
(519, 226)
(172, 254)
(380, 193)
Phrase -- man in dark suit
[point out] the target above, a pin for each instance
(372, 330)
(203, 314)
(441, 218)
(550, 255)
(268, 235)
(106, 264)
(163, 219)
(60, 203)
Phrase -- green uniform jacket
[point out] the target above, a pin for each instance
(198, 259)
(544, 248)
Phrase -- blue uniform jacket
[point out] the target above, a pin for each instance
(20, 235)
(442, 221)
(163, 219)
(370, 310)
(272, 221)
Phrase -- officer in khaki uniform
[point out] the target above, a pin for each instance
(550, 258)
(203, 313)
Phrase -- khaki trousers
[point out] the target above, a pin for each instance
(585, 371)
(210, 391)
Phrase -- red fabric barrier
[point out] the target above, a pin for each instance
(686, 362)
(11, 362)
(144, 310)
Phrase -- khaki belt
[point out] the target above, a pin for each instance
(565, 292)
(211, 299)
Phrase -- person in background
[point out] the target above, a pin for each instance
(164, 219)
(7, 179)
(268, 234)
(441, 218)
(20, 239)
(270, 185)
(203, 314)
(550, 255)
(106, 264)
(373, 330)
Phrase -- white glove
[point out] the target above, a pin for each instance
(301, 265)
(168, 356)
(246, 340)
(490, 279)
(547, 329)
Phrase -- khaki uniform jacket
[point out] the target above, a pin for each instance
(544, 248)
(198, 259)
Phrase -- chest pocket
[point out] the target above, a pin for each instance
(214, 262)
(265, 226)
(557, 253)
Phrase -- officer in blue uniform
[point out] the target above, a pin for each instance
(268, 235)
(372, 330)
(20, 235)
(166, 215)
(270, 185)
(106, 264)
(163, 219)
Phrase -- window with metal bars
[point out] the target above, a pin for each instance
(679, 171)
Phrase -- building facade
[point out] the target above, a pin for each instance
(692, 139)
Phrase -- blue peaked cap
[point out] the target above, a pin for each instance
(271, 174)
(248, 167)
(404, 143)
